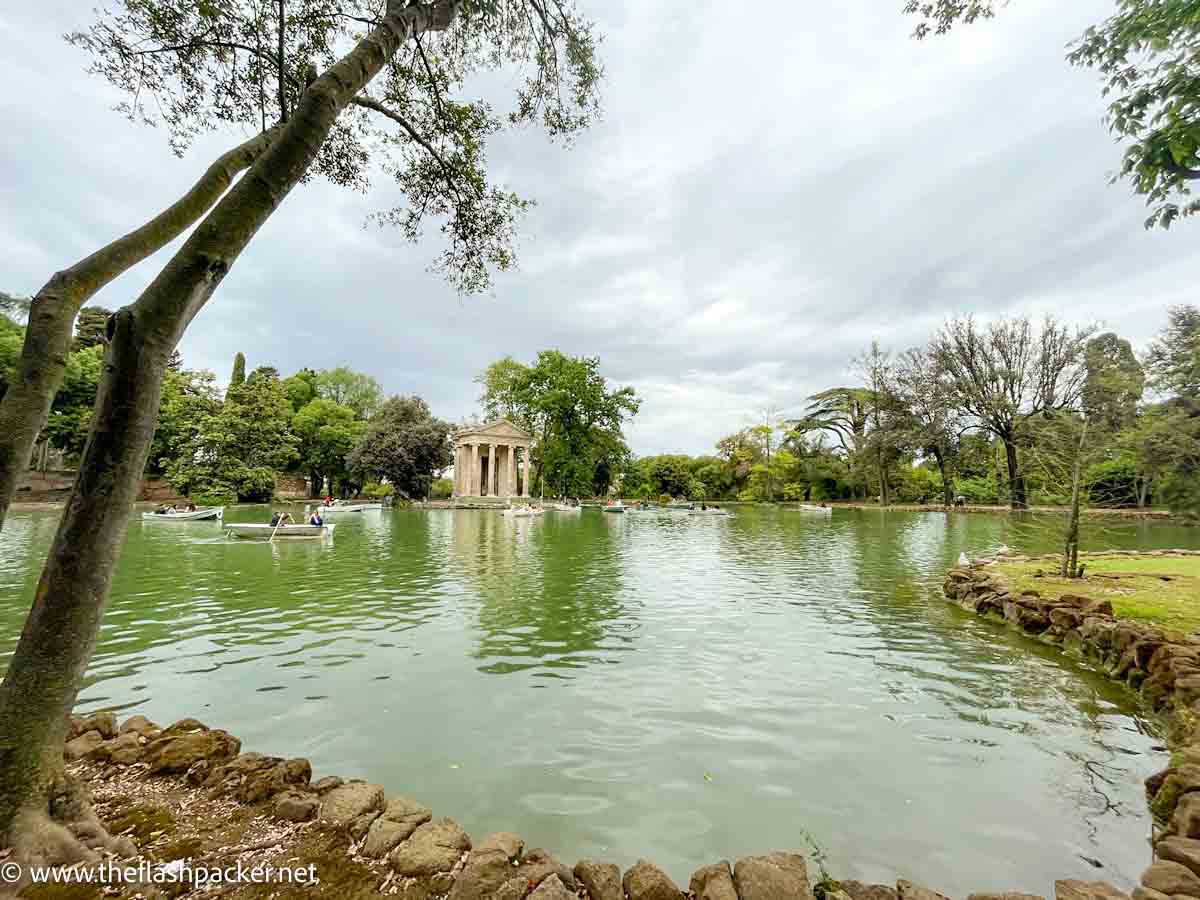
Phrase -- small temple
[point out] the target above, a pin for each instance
(491, 460)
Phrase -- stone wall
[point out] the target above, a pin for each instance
(53, 485)
(408, 853)
(290, 486)
(1164, 667)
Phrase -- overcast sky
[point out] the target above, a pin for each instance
(764, 196)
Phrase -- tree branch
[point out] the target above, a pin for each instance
(372, 104)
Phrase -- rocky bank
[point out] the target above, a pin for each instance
(1164, 667)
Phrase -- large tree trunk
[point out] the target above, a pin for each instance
(947, 487)
(39, 372)
(1016, 481)
(47, 668)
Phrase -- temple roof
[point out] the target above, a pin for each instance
(499, 431)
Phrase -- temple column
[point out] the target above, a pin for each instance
(457, 470)
(525, 471)
(474, 468)
(492, 467)
(512, 470)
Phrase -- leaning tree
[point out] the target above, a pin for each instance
(358, 86)
(42, 364)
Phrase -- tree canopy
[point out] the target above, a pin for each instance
(575, 416)
(197, 67)
(405, 444)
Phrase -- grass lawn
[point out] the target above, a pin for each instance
(1164, 590)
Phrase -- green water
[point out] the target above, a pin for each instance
(652, 684)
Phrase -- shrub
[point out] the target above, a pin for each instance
(378, 491)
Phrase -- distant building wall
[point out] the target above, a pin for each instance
(289, 486)
(53, 486)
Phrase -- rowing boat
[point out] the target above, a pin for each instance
(565, 507)
(281, 531)
(196, 515)
(709, 512)
(617, 507)
(818, 510)
(524, 512)
(348, 508)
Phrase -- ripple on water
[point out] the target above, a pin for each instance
(657, 685)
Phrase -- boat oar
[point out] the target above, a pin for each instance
(276, 528)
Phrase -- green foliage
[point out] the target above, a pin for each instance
(12, 338)
(1147, 55)
(90, 328)
(670, 476)
(750, 495)
(443, 489)
(193, 67)
(918, 484)
(187, 398)
(377, 491)
(1114, 382)
(1112, 482)
(238, 377)
(361, 393)
(327, 433)
(1173, 360)
(301, 388)
(405, 445)
(978, 491)
(574, 414)
(236, 449)
(794, 491)
(71, 413)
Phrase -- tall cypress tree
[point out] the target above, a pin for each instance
(239, 371)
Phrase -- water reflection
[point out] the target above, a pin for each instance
(547, 590)
(680, 687)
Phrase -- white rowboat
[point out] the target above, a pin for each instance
(281, 531)
(348, 508)
(208, 512)
(525, 513)
(709, 512)
(565, 507)
(617, 507)
(819, 510)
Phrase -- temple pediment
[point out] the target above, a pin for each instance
(499, 431)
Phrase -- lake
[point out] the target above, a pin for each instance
(654, 685)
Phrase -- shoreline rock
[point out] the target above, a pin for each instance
(1161, 665)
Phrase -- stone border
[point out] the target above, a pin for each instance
(1163, 666)
(435, 859)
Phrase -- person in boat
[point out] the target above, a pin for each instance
(703, 507)
(315, 518)
(162, 510)
(191, 507)
(172, 509)
(280, 518)
(329, 500)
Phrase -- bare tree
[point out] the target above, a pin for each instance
(933, 425)
(1005, 372)
(874, 367)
